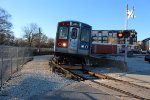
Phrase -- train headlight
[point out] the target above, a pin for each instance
(64, 44)
(82, 46)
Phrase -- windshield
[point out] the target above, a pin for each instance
(63, 33)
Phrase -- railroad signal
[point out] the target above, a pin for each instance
(123, 34)
(131, 40)
(126, 33)
(133, 35)
(120, 34)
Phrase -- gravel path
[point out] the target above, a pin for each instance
(35, 78)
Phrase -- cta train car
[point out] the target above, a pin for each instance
(73, 41)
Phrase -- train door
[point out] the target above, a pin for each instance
(84, 44)
(73, 40)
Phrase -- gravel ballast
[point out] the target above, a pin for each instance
(34, 78)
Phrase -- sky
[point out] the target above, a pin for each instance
(100, 14)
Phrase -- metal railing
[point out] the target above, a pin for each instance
(11, 59)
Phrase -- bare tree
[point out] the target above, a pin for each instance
(30, 32)
(6, 35)
(40, 39)
(20, 42)
(44, 40)
(50, 43)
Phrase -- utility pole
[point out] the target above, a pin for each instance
(39, 39)
(126, 27)
(129, 14)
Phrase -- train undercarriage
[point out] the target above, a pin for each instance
(71, 59)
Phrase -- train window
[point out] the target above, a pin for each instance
(63, 32)
(74, 33)
(85, 35)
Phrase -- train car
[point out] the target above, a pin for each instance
(73, 42)
(104, 48)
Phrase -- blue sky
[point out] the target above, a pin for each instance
(100, 14)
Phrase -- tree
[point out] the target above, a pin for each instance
(20, 42)
(6, 35)
(44, 40)
(40, 40)
(50, 43)
(30, 32)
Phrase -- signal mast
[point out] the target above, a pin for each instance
(129, 14)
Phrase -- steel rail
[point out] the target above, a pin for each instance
(104, 76)
(100, 76)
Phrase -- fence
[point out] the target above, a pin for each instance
(43, 51)
(10, 60)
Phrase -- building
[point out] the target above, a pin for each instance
(109, 37)
(146, 44)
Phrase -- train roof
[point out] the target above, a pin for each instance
(74, 21)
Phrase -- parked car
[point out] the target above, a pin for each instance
(144, 51)
(130, 53)
(136, 51)
(148, 51)
(147, 58)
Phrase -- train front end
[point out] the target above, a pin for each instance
(73, 40)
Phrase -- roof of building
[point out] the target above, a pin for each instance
(147, 39)
(99, 31)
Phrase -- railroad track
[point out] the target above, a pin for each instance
(81, 75)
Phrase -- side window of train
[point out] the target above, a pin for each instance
(74, 33)
(63, 32)
(85, 33)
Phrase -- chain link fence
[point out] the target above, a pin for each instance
(11, 59)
